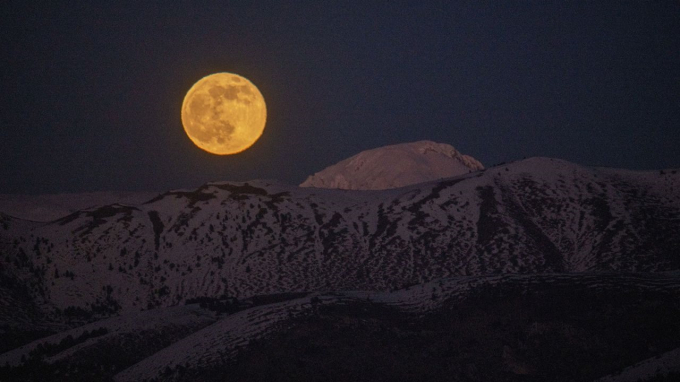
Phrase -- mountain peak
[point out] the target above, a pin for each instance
(395, 166)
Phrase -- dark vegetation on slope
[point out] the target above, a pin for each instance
(96, 362)
(498, 333)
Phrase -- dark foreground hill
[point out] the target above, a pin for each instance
(559, 327)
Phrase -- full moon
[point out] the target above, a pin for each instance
(224, 113)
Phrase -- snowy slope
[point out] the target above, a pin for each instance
(244, 239)
(44, 208)
(395, 166)
(518, 230)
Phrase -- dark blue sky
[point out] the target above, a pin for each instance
(92, 93)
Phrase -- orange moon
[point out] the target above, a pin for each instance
(224, 113)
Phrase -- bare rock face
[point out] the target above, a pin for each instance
(395, 166)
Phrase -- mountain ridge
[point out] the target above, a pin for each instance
(395, 166)
(240, 239)
(191, 284)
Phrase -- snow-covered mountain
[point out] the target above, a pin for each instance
(395, 166)
(244, 239)
(536, 223)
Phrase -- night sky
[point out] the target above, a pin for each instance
(91, 94)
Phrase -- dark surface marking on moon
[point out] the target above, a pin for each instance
(219, 129)
(226, 129)
(198, 105)
(245, 89)
(217, 91)
(231, 93)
